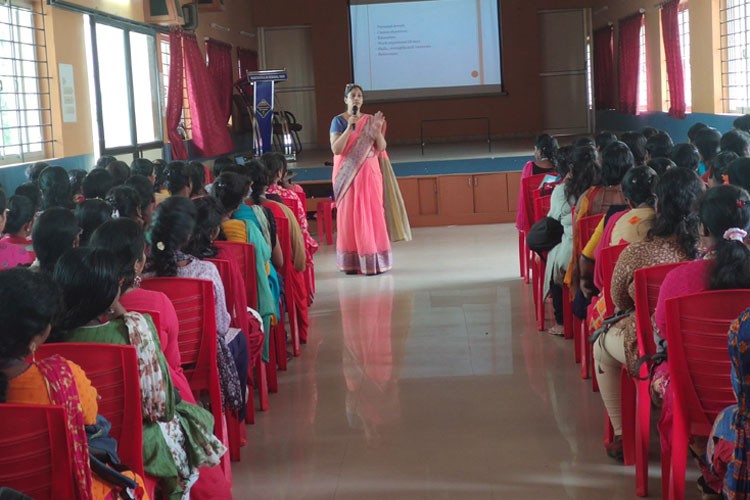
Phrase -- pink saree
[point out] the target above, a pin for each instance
(362, 242)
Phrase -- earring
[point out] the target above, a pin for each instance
(137, 281)
(33, 353)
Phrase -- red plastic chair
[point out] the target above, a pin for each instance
(647, 282)
(113, 371)
(541, 209)
(244, 256)
(528, 186)
(324, 216)
(585, 228)
(699, 369)
(193, 300)
(35, 444)
(287, 270)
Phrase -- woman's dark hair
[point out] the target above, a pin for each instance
(565, 160)
(707, 141)
(694, 129)
(76, 180)
(55, 187)
(275, 163)
(638, 185)
(90, 281)
(677, 193)
(584, 172)
(548, 147)
(91, 214)
(649, 132)
(721, 208)
(659, 145)
(584, 141)
(209, 213)
(720, 165)
(160, 171)
(177, 175)
(616, 161)
(739, 173)
(97, 184)
(30, 191)
(142, 166)
(54, 233)
(20, 212)
(636, 142)
(3, 200)
(170, 231)
(661, 165)
(351, 86)
(220, 164)
(737, 141)
(230, 189)
(36, 302)
(144, 188)
(197, 177)
(35, 170)
(120, 172)
(742, 123)
(258, 179)
(126, 240)
(604, 139)
(125, 202)
(105, 160)
(686, 155)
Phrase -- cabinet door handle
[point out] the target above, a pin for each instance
(476, 181)
(468, 181)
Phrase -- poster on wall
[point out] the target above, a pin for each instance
(68, 93)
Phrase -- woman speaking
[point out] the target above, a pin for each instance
(368, 201)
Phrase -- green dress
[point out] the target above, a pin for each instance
(197, 424)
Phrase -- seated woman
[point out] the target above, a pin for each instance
(583, 173)
(91, 214)
(169, 235)
(725, 465)
(178, 180)
(125, 202)
(55, 232)
(15, 246)
(230, 189)
(672, 238)
(126, 240)
(177, 436)
(54, 380)
(207, 230)
(55, 187)
(544, 162)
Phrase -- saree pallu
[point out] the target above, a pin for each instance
(362, 242)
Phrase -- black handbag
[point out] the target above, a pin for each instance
(544, 235)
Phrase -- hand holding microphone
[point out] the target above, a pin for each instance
(355, 111)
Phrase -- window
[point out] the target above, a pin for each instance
(25, 115)
(164, 52)
(735, 68)
(642, 80)
(683, 20)
(127, 87)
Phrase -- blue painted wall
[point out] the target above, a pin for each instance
(677, 129)
(12, 176)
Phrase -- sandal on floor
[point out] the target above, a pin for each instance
(706, 492)
(614, 449)
(556, 330)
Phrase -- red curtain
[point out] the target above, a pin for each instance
(247, 60)
(628, 61)
(604, 66)
(209, 123)
(174, 95)
(220, 68)
(671, 33)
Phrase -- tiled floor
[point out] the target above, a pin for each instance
(432, 382)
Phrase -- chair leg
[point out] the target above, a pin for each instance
(279, 335)
(291, 311)
(321, 224)
(521, 254)
(627, 399)
(609, 431)
(328, 217)
(263, 383)
(678, 459)
(642, 435)
(580, 329)
(271, 368)
(233, 431)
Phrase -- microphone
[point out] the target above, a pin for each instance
(355, 110)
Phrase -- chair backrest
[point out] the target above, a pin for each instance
(608, 261)
(586, 228)
(113, 371)
(35, 444)
(541, 206)
(285, 242)
(234, 292)
(699, 365)
(244, 255)
(529, 185)
(223, 267)
(647, 283)
(193, 301)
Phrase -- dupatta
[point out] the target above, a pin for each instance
(63, 392)
(737, 479)
(358, 148)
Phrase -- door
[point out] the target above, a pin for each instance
(410, 192)
(456, 194)
(428, 202)
(565, 37)
(290, 47)
(491, 194)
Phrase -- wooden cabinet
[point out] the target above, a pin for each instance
(428, 195)
(491, 194)
(456, 194)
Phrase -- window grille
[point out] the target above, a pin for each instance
(735, 51)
